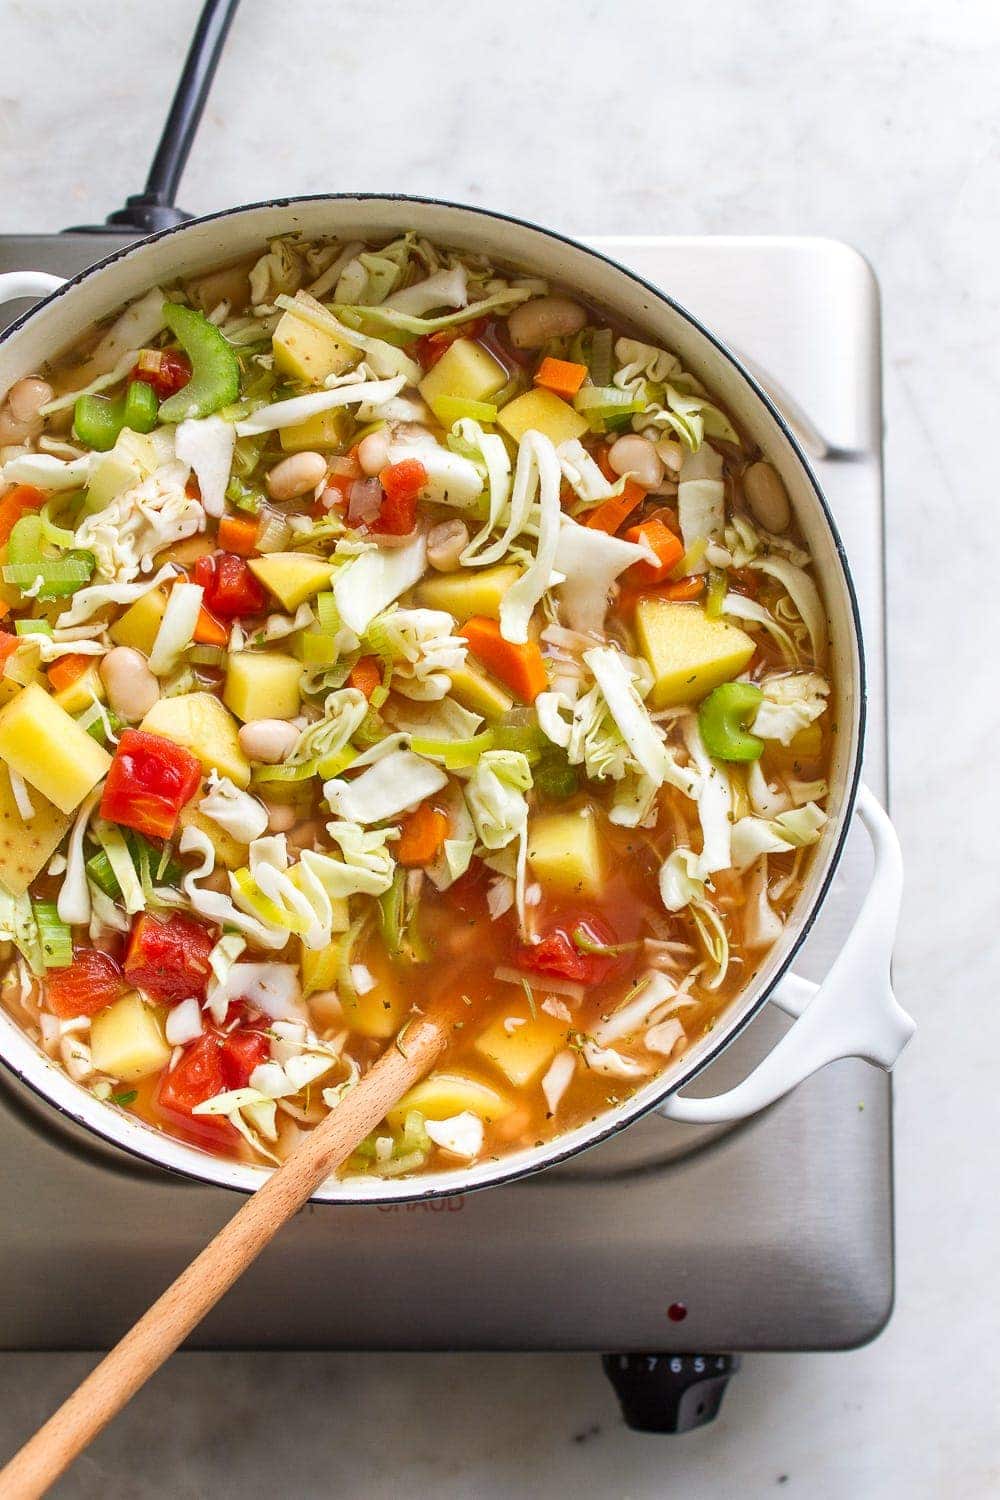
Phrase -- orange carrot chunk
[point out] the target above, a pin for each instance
(611, 514)
(687, 588)
(239, 535)
(669, 550)
(521, 668)
(561, 376)
(208, 631)
(424, 831)
(17, 503)
(66, 669)
(365, 675)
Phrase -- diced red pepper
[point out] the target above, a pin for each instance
(169, 960)
(401, 484)
(91, 982)
(8, 645)
(166, 370)
(430, 347)
(558, 955)
(231, 590)
(150, 780)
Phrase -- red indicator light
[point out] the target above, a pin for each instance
(677, 1312)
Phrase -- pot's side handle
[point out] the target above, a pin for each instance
(17, 284)
(853, 1013)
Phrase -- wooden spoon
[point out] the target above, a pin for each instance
(183, 1305)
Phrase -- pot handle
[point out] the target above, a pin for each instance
(17, 284)
(853, 1013)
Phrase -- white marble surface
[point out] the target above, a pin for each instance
(875, 122)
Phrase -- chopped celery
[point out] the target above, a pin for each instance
(97, 421)
(390, 913)
(371, 730)
(141, 408)
(555, 778)
(24, 544)
(451, 409)
(526, 737)
(723, 718)
(593, 347)
(215, 378)
(55, 935)
(245, 497)
(455, 755)
(207, 656)
(59, 576)
(246, 455)
(715, 598)
(328, 614)
(56, 536)
(32, 627)
(100, 872)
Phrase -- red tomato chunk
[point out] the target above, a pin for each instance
(169, 960)
(150, 780)
(231, 590)
(402, 484)
(92, 981)
(558, 955)
(430, 347)
(166, 370)
(212, 1065)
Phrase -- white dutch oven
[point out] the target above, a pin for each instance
(853, 1013)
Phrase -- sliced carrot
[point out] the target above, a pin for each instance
(687, 588)
(521, 668)
(561, 376)
(17, 503)
(236, 534)
(604, 464)
(669, 550)
(66, 669)
(424, 831)
(8, 645)
(208, 631)
(610, 515)
(365, 675)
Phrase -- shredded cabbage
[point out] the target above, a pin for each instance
(790, 703)
(396, 782)
(206, 444)
(537, 466)
(590, 561)
(232, 809)
(126, 535)
(87, 602)
(795, 829)
(353, 388)
(364, 587)
(177, 628)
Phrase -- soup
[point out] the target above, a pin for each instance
(382, 626)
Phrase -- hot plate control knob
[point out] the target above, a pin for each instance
(669, 1392)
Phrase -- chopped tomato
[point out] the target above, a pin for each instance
(169, 960)
(557, 954)
(150, 780)
(91, 982)
(166, 370)
(431, 346)
(468, 892)
(242, 1051)
(196, 1077)
(231, 590)
(401, 484)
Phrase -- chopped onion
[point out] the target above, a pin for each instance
(184, 1023)
(365, 501)
(547, 982)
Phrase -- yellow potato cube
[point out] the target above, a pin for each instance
(544, 412)
(81, 693)
(40, 741)
(262, 685)
(139, 624)
(442, 1095)
(327, 429)
(467, 593)
(524, 1051)
(564, 851)
(380, 1013)
(228, 850)
(127, 1040)
(203, 725)
(25, 848)
(465, 372)
(292, 577)
(689, 653)
(308, 353)
(479, 693)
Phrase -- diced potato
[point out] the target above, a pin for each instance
(81, 693)
(139, 624)
(327, 429)
(188, 551)
(564, 851)
(127, 1040)
(292, 577)
(262, 685)
(689, 653)
(479, 693)
(25, 848)
(39, 740)
(467, 372)
(442, 1095)
(319, 965)
(477, 591)
(378, 1014)
(526, 1050)
(124, 466)
(545, 412)
(228, 850)
(307, 353)
(807, 745)
(203, 725)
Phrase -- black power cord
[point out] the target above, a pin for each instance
(153, 209)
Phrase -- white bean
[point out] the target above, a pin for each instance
(281, 816)
(767, 496)
(27, 396)
(373, 451)
(445, 544)
(267, 740)
(671, 453)
(636, 456)
(533, 323)
(131, 687)
(296, 475)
